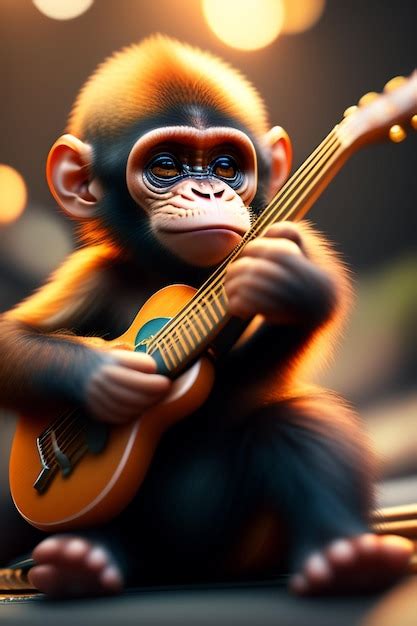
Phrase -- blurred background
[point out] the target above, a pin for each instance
(310, 59)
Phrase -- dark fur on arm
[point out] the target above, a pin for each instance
(42, 370)
(43, 364)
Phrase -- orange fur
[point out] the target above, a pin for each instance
(321, 348)
(146, 78)
(142, 80)
(69, 289)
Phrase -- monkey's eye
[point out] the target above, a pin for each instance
(224, 167)
(165, 167)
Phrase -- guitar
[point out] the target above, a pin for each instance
(73, 471)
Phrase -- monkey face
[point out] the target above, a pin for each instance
(185, 188)
(196, 187)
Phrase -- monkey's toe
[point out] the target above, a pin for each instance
(357, 564)
(73, 566)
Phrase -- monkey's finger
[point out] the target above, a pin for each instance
(254, 263)
(298, 268)
(259, 303)
(125, 396)
(280, 285)
(134, 360)
(247, 273)
(106, 408)
(135, 380)
(271, 248)
(299, 280)
(106, 404)
(103, 413)
(290, 297)
(286, 230)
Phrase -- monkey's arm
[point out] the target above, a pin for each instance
(40, 362)
(39, 370)
(43, 366)
(297, 283)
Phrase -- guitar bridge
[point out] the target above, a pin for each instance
(64, 443)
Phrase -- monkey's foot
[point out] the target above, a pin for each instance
(363, 563)
(67, 565)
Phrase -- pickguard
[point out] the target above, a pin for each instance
(148, 331)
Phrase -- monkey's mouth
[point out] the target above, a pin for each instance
(204, 228)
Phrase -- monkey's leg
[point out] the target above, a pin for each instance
(315, 473)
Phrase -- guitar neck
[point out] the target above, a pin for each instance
(192, 330)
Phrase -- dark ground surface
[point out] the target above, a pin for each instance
(261, 604)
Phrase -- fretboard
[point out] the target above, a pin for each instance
(192, 330)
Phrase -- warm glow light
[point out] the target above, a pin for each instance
(63, 9)
(245, 24)
(13, 194)
(37, 243)
(301, 15)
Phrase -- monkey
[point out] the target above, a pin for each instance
(167, 160)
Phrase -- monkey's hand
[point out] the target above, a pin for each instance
(275, 278)
(121, 387)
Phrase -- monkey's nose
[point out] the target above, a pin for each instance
(217, 194)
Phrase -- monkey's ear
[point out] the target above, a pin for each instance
(279, 145)
(68, 171)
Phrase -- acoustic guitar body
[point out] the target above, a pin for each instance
(55, 496)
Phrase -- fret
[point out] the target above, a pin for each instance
(172, 345)
(179, 340)
(187, 335)
(196, 318)
(211, 310)
(221, 306)
(284, 206)
(197, 323)
(204, 315)
(165, 355)
(191, 330)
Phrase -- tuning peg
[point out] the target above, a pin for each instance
(350, 110)
(394, 83)
(397, 133)
(368, 98)
(414, 122)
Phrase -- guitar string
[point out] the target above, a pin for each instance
(199, 296)
(55, 465)
(60, 427)
(65, 445)
(196, 314)
(58, 432)
(167, 343)
(57, 422)
(214, 285)
(48, 447)
(270, 210)
(292, 183)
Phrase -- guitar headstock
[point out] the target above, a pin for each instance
(379, 116)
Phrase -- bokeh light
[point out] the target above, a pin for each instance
(300, 15)
(245, 24)
(37, 243)
(13, 194)
(63, 9)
